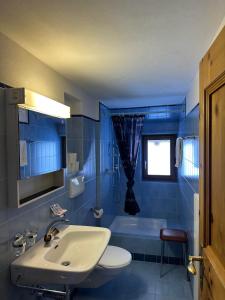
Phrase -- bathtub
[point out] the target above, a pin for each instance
(137, 226)
(141, 236)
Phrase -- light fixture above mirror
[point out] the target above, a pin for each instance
(30, 100)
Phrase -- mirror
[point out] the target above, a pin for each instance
(42, 144)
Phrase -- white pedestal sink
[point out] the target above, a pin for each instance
(69, 258)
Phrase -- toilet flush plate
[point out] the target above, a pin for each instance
(67, 260)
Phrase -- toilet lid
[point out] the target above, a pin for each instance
(115, 257)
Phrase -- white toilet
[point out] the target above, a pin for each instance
(113, 261)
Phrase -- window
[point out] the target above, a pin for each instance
(158, 157)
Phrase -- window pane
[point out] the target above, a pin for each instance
(159, 157)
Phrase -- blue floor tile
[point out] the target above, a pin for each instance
(141, 281)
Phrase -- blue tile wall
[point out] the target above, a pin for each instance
(36, 215)
(44, 145)
(189, 171)
(105, 197)
(81, 139)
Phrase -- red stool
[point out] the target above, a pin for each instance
(173, 235)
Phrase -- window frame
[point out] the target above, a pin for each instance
(173, 169)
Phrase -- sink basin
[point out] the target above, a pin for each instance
(70, 257)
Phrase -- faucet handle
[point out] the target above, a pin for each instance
(18, 238)
(19, 244)
(30, 237)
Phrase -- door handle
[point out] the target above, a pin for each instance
(191, 267)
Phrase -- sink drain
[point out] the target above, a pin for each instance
(65, 263)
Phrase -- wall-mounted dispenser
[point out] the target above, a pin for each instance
(76, 186)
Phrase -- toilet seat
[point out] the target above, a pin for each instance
(113, 261)
(115, 258)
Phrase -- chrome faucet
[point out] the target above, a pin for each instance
(51, 230)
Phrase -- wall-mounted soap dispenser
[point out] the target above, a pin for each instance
(76, 186)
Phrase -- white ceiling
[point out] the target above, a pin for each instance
(127, 52)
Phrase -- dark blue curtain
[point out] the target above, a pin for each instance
(128, 133)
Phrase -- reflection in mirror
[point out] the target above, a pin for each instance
(41, 144)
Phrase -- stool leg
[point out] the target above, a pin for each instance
(162, 256)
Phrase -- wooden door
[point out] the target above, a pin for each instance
(212, 170)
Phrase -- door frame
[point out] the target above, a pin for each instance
(212, 77)
(213, 87)
(211, 74)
